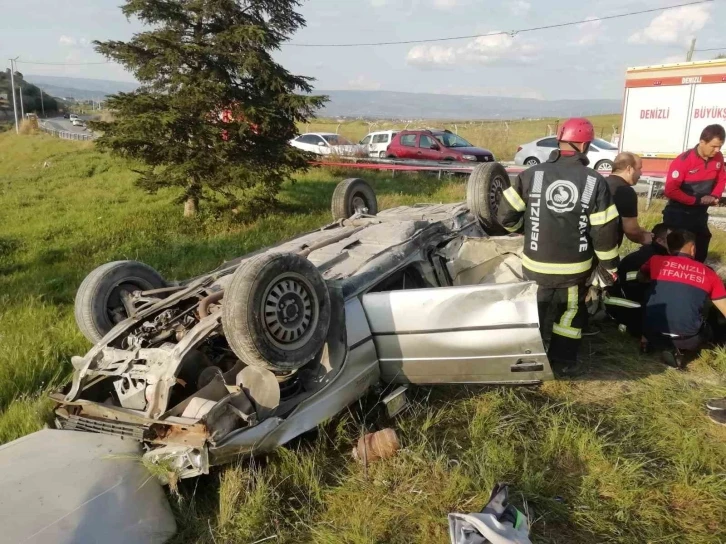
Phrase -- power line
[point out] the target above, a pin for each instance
(510, 32)
(61, 63)
(713, 49)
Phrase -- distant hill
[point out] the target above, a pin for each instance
(380, 104)
(395, 105)
(80, 88)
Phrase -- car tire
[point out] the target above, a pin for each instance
(531, 161)
(351, 196)
(98, 304)
(255, 311)
(391, 157)
(604, 166)
(484, 190)
(381, 154)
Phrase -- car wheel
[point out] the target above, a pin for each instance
(531, 161)
(276, 311)
(604, 166)
(392, 157)
(102, 300)
(483, 193)
(353, 196)
(381, 154)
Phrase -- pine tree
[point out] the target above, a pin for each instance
(214, 111)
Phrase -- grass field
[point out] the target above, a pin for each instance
(500, 137)
(621, 455)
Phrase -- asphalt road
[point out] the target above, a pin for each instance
(58, 123)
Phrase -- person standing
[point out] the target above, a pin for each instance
(627, 169)
(568, 217)
(696, 180)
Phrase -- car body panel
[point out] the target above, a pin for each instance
(69, 487)
(470, 334)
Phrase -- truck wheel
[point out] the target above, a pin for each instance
(102, 299)
(352, 196)
(604, 166)
(484, 191)
(276, 311)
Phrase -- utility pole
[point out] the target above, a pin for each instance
(42, 106)
(22, 110)
(689, 56)
(12, 88)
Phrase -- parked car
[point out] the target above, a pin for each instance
(376, 143)
(73, 117)
(601, 153)
(269, 345)
(77, 122)
(327, 143)
(435, 145)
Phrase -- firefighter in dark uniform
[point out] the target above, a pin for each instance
(568, 217)
(696, 180)
(625, 299)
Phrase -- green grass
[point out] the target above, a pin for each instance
(622, 455)
(500, 137)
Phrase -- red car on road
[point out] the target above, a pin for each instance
(435, 145)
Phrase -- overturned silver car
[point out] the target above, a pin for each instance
(269, 345)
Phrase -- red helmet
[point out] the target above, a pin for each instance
(576, 130)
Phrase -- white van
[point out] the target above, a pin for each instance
(377, 142)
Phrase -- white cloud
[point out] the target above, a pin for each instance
(363, 83)
(519, 8)
(378, 3)
(674, 26)
(67, 40)
(487, 49)
(590, 32)
(673, 59)
(445, 4)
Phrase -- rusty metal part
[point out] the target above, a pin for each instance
(180, 435)
(206, 301)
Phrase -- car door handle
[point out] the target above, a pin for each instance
(527, 366)
(419, 153)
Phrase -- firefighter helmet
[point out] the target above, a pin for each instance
(576, 130)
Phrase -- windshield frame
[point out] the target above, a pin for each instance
(337, 139)
(455, 138)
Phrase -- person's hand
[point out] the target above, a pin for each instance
(708, 200)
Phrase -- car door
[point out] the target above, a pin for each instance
(366, 144)
(469, 334)
(319, 145)
(408, 147)
(545, 148)
(428, 148)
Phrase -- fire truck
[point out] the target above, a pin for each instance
(667, 106)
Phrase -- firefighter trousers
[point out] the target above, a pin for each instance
(565, 308)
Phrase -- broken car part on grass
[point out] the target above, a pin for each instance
(271, 344)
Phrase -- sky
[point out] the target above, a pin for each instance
(583, 61)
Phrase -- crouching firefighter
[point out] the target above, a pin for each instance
(568, 217)
(625, 299)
